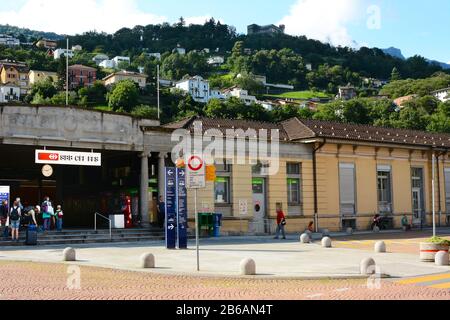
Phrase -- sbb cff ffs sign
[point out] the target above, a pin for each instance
(69, 158)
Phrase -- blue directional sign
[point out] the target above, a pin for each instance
(171, 208)
(4, 194)
(182, 215)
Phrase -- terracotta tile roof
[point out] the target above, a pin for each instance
(127, 74)
(20, 66)
(302, 129)
(80, 66)
(298, 129)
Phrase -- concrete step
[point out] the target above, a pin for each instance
(98, 240)
(90, 236)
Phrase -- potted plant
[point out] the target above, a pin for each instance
(430, 248)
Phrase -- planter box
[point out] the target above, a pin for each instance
(428, 251)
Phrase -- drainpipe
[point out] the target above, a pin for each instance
(438, 155)
(316, 201)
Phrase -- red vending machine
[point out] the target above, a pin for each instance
(126, 209)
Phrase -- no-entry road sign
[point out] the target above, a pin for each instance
(195, 172)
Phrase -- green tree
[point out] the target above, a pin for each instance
(440, 121)
(45, 89)
(124, 96)
(94, 95)
(249, 83)
(145, 111)
(395, 75)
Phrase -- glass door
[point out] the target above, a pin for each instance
(417, 205)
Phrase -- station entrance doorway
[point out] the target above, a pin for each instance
(81, 191)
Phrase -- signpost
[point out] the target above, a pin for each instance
(195, 173)
(171, 202)
(68, 158)
(196, 179)
(182, 216)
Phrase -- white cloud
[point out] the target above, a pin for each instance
(323, 20)
(201, 19)
(70, 17)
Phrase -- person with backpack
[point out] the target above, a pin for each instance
(47, 213)
(4, 209)
(14, 221)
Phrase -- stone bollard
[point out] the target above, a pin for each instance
(380, 247)
(367, 266)
(376, 229)
(248, 267)
(147, 261)
(304, 238)
(442, 258)
(326, 242)
(349, 231)
(69, 254)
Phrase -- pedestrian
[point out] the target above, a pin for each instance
(14, 221)
(31, 217)
(405, 223)
(19, 203)
(47, 213)
(161, 212)
(4, 209)
(37, 213)
(311, 227)
(281, 224)
(59, 214)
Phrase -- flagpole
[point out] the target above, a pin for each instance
(67, 73)
(433, 193)
(157, 86)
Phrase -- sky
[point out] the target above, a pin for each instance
(414, 26)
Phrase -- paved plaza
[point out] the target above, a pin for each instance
(30, 281)
(286, 270)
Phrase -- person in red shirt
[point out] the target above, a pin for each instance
(281, 223)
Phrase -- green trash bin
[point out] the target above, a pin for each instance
(206, 224)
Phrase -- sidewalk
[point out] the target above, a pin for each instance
(222, 256)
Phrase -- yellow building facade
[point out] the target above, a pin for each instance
(36, 76)
(335, 175)
(140, 79)
(13, 72)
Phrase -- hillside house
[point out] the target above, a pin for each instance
(139, 78)
(216, 61)
(442, 94)
(347, 93)
(15, 73)
(99, 58)
(81, 76)
(58, 53)
(36, 76)
(47, 44)
(9, 41)
(197, 87)
(9, 92)
(270, 29)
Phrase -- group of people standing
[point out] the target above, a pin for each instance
(12, 218)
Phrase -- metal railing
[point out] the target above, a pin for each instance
(109, 220)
